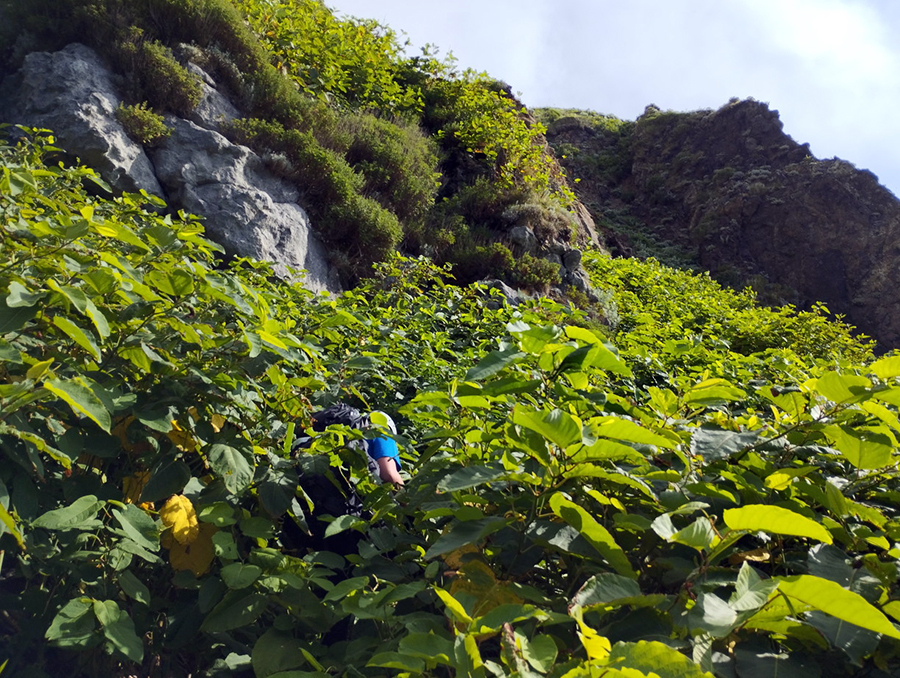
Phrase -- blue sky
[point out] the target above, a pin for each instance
(830, 67)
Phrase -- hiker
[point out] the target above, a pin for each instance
(328, 487)
(384, 449)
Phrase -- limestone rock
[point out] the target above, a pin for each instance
(249, 211)
(214, 108)
(73, 94)
(513, 297)
(572, 259)
(523, 237)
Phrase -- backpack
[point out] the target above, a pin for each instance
(330, 492)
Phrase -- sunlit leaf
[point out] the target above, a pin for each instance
(178, 514)
(598, 536)
(837, 601)
(774, 519)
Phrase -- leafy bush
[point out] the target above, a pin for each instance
(565, 515)
(165, 82)
(358, 226)
(531, 272)
(351, 61)
(398, 162)
(142, 124)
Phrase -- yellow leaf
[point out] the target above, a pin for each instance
(760, 555)
(182, 439)
(477, 579)
(133, 485)
(454, 559)
(179, 515)
(196, 556)
(120, 430)
(596, 646)
(217, 421)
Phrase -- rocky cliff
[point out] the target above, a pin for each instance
(730, 192)
(249, 210)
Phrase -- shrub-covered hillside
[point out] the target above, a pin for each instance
(390, 151)
(729, 192)
(707, 487)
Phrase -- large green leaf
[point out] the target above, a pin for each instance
(863, 449)
(858, 643)
(468, 532)
(609, 589)
(237, 609)
(13, 319)
(561, 428)
(79, 515)
(75, 625)
(712, 444)
(134, 588)
(118, 628)
(427, 646)
(276, 651)
(843, 388)
(712, 615)
(492, 363)
(598, 536)
(622, 429)
(470, 476)
(774, 519)
(167, 479)
(78, 335)
(240, 575)
(886, 368)
(837, 601)
(138, 526)
(231, 466)
(755, 661)
(78, 394)
(652, 656)
(751, 591)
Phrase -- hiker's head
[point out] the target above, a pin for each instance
(383, 421)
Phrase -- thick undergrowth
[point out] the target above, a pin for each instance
(703, 487)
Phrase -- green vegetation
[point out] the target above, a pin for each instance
(142, 124)
(717, 495)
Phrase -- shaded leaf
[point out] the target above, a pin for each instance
(598, 536)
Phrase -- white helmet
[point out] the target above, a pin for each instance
(383, 420)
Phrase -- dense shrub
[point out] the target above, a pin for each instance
(399, 163)
(568, 511)
(356, 225)
(142, 124)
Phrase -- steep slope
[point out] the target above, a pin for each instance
(730, 192)
(382, 151)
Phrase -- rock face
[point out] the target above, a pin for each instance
(729, 191)
(247, 209)
(73, 94)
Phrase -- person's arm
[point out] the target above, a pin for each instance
(387, 469)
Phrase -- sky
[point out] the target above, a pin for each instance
(831, 68)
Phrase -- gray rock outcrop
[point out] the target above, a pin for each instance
(73, 94)
(247, 209)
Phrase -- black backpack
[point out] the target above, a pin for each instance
(329, 490)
